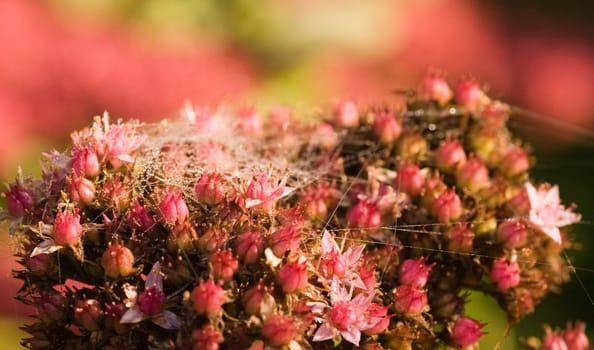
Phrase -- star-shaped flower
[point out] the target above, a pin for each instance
(345, 316)
(546, 211)
(150, 303)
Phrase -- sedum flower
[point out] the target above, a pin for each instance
(293, 276)
(466, 331)
(85, 162)
(120, 142)
(449, 156)
(434, 87)
(223, 265)
(118, 260)
(346, 114)
(208, 298)
(67, 229)
(410, 300)
(279, 330)
(150, 304)
(575, 336)
(88, 314)
(346, 316)
(512, 233)
(206, 338)
(546, 211)
(335, 265)
(172, 208)
(414, 272)
(19, 199)
(505, 274)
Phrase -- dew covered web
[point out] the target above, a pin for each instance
(176, 155)
(327, 170)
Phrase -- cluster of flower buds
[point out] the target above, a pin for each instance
(227, 230)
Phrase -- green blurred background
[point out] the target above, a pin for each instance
(64, 61)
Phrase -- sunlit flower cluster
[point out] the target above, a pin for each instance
(226, 230)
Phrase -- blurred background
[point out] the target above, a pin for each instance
(64, 61)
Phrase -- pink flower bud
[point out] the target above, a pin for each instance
(113, 315)
(151, 301)
(409, 179)
(316, 199)
(466, 332)
(223, 265)
(249, 246)
(505, 274)
(514, 162)
(88, 314)
(380, 313)
(414, 272)
(450, 155)
(285, 239)
(206, 338)
(473, 175)
(325, 136)
(67, 229)
(51, 307)
(554, 341)
(435, 88)
(80, 189)
(575, 337)
(41, 265)
(460, 238)
(293, 276)
(255, 299)
(212, 240)
(447, 207)
(469, 94)
(512, 233)
(494, 116)
(19, 200)
(209, 190)
(434, 187)
(364, 214)
(279, 330)
(139, 218)
(346, 114)
(117, 260)
(85, 163)
(409, 300)
(182, 236)
(172, 208)
(115, 193)
(208, 298)
(386, 127)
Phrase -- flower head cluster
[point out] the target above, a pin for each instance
(226, 230)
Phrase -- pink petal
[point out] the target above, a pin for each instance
(553, 233)
(154, 279)
(167, 320)
(352, 254)
(324, 333)
(328, 243)
(133, 315)
(353, 336)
